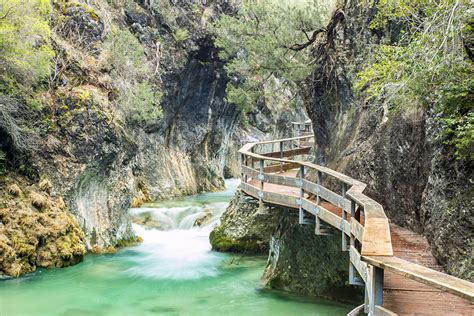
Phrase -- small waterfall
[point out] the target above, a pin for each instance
(176, 236)
(176, 217)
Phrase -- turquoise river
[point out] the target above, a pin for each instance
(173, 272)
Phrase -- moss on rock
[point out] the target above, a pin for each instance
(243, 228)
(45, 235)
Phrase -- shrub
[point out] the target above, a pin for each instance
(140, 101)
(180, 35)
(24, 42)
(427, 64)
(138, 98)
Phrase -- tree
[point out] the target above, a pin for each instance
(268, 47)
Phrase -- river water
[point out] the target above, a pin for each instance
(173, 272)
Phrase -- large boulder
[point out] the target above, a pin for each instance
(310, 264)
(36, 230)
(244, 228)
(299, 261)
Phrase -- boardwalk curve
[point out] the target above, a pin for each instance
(271, 173)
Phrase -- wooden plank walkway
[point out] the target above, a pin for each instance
(401, 295)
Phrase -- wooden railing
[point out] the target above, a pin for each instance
(363, 224)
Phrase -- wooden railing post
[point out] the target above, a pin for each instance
(281, 156)
(317, 228)
(344, 217)
(301, 217)
(373, 289)
(242, 163)
(262, 181)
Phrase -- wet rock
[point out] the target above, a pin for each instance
(243, 228)
(205, 218)
(305, 263)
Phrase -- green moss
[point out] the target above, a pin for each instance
(130, 241)
(45, 236)
(222, 243)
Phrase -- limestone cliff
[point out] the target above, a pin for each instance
(89, 128)
(101, 159)
(398, 153)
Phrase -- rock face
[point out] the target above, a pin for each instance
(36, 230)
(244, 228)
(397, 153)
(98, 160)
(299, 261)
(305, 263)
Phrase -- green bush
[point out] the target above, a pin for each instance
(138, 97)
(26, 52)
(427, 66)
(141, 102)
(268, 46)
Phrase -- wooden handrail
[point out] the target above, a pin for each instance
(377, 239)
(376, 252)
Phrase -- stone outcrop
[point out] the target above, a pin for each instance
(302, 262)
(299, 261)
(36, 230)
(244, 228)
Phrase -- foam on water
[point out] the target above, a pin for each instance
(179, 249)
(174, 254)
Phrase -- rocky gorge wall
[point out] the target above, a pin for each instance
(99, 158)
(398, 152)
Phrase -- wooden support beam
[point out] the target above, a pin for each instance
(374, 289)
(436, 279)
(288, 153)
(262, 178)
(281, 156)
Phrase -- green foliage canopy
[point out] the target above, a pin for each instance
(427, 64)
(25, 51)
(267, 40)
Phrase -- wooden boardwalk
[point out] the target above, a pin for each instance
(400, 274)
(401, 295)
